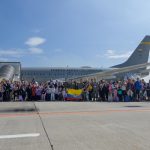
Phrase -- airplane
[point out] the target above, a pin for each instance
(137, 63)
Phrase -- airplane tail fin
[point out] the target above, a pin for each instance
(139, 56)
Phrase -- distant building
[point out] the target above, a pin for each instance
(13, 71)
(45, 74)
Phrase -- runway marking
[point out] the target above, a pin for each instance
(19, 136)
(72, 112)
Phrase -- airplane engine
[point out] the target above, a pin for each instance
(7, 72)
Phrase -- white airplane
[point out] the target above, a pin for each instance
(137, 63)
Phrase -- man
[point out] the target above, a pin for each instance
(29, 92)
(138, 87)
(7, 90)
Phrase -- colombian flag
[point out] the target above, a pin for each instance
(73, 94)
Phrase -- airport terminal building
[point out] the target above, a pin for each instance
(14, 71)
(61, 73)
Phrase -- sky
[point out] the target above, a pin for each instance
(74, 33)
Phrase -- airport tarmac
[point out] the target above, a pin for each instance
(74, 126)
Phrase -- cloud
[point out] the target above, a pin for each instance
(11, 53)
(111, 54)
(35, 50)
(35, 41)
(17, 53)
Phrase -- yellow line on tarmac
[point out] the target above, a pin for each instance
(71, 112)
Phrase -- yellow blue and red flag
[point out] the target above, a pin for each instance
(74, 94)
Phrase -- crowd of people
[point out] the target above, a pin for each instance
(111, 91)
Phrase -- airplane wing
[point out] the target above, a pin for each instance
(109, 73)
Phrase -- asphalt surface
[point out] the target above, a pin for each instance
(74, 126)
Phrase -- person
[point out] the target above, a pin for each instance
(7, 90)
(129, 96)
(115, 95)
(29, 92)
(20, 93)
(48, 93)
(33, 88)
(105, 92)
(52, 93)
(83, 94)
(60, 95)
(124, 92)
(23, 93)
(64, 94)
(16, 93)
(38, 92)
(87, 94)
(94, 90)
(56, 93)
(1, 92)
(148, 91)
(110, 92)
(43, 92)
(90, 89)
(120, 94)
(138, 87)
